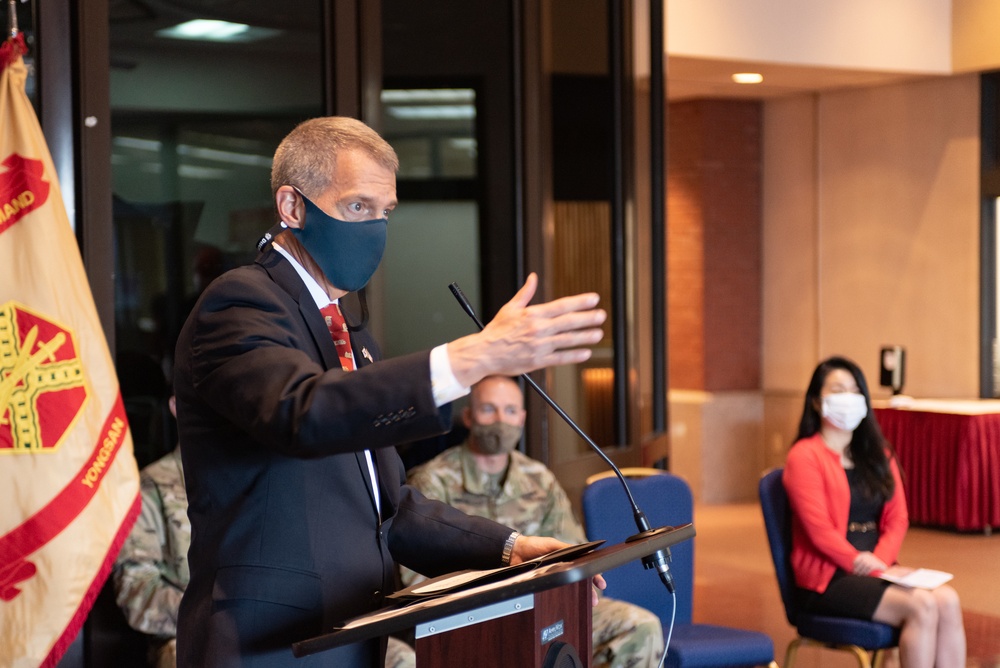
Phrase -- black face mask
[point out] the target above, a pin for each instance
(348, 253)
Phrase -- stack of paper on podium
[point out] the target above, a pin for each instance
(462, 580)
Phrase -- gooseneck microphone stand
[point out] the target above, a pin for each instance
(657, 560)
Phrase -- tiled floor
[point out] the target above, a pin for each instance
(735, 585)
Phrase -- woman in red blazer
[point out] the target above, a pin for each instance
(849, 518)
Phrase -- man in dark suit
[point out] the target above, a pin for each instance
(298, 507)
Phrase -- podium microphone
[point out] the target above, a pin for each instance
(657, 560)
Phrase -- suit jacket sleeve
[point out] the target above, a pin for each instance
(434, 538)
(258, 358)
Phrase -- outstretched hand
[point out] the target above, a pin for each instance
(523, 338)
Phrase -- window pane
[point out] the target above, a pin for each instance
(432, 130)
(582, 186)
(431, 245)
(434, 232)
(191, 158)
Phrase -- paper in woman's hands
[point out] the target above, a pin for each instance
(924, 578)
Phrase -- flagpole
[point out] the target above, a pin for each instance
(12, 18)
(87, 494)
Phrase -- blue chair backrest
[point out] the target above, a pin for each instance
(666, 500)
(778, 524)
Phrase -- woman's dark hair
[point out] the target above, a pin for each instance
(868, 446)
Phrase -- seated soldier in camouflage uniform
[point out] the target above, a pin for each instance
(151, 572)
(489, 477)
(152, 569)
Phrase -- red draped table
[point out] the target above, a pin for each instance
(950, 455)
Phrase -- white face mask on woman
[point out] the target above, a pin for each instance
(845, 410)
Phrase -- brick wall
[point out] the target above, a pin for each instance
(714, 245)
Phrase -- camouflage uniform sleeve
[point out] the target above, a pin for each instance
(431, 482)
(558, 520)
(149, 601)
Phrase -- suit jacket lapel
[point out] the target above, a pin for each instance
(320, 332)
(284, 275)
(362, 343)
(362, 353)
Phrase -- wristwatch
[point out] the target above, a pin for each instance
(508, 548)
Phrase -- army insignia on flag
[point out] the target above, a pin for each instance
(42, 386)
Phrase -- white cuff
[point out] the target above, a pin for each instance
(444, 385)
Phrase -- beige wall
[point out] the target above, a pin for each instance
(888, 35)
(790, 242)
(899, 230)
(974, 42)
(717, 443)
(917, 36)
(871, 237)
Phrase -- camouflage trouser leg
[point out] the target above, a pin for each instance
(625, 636)
(399, 655)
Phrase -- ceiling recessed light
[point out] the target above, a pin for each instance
(216, 31)
(428, 112)
(748, 77)
(439, 95)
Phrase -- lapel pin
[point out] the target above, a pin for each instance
(367, 355)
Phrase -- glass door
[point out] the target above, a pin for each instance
(201, 94)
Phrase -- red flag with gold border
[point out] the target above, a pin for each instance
(69, 485)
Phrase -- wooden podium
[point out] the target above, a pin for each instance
(537, 617)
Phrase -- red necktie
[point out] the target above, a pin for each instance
(342, 340)
(341, 337)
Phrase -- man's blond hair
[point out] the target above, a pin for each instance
(307, 157)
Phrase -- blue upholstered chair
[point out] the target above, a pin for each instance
(860, 638)
(666, 500)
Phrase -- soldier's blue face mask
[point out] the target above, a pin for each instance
(348, 253)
